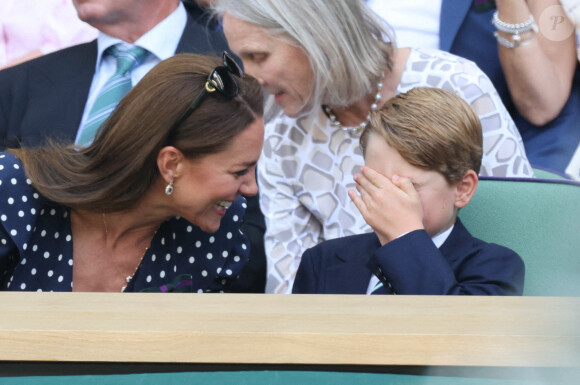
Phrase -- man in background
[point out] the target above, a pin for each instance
(53, 96)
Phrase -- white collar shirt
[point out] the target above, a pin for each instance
(161, 41)
(438, 240)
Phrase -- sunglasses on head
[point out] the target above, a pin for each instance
(221, 79)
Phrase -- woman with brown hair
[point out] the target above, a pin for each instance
(154, 203)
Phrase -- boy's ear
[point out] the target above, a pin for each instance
(465, 188)
(168, 161)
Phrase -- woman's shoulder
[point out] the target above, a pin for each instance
(21, 204)
(8, 159)
(229, 230)
(428, 67)
(12, 175)
(440, 63)
(224, 252)
(434, 54)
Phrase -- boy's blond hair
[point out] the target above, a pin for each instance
(432, 129)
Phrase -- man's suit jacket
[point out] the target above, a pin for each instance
(466, 30)
(45, 98)
(411, 264)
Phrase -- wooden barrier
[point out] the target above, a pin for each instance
(290, 329)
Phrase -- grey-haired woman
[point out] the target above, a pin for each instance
(327, 64)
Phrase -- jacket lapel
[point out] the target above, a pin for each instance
(349, 273)
(458, 243)
(66, 87)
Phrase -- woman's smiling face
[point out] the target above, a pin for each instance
(206, 187)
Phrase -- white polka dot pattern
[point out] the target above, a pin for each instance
(36, 244)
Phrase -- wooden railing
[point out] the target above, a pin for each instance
(290, 329)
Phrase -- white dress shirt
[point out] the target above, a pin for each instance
(161, 41)
(415, 22)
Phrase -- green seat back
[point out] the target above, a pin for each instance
(268, 377)
(540, 220)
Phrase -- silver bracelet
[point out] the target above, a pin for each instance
(514, 43)
(514, 29)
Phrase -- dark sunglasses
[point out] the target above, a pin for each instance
(221, 79)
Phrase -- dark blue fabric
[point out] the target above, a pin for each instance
(36, 245)
(550, 146)
(411, 264)
(45, 97)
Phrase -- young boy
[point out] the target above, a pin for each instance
(422, 154)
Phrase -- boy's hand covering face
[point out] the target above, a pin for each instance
(392, 207)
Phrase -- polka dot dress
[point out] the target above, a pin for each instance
(36, 245)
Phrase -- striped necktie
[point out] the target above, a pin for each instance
(113, 90)
(381, 289)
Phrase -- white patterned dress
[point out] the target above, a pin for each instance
(307, 165)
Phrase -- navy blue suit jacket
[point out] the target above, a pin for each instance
(467, 31)
(411, 264)
(46, 97)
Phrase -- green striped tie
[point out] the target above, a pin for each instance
(113, 90)
(380, 288)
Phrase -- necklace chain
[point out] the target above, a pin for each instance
(130, 277)
(353, 131)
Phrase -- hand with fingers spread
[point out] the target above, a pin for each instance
(392, 207)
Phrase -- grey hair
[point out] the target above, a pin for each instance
(348, 45)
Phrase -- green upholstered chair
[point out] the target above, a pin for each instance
(540, 220)
(544, 173)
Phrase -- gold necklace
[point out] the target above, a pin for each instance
(354, 131)
(130, 277)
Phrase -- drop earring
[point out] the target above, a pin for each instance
(169, 187)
